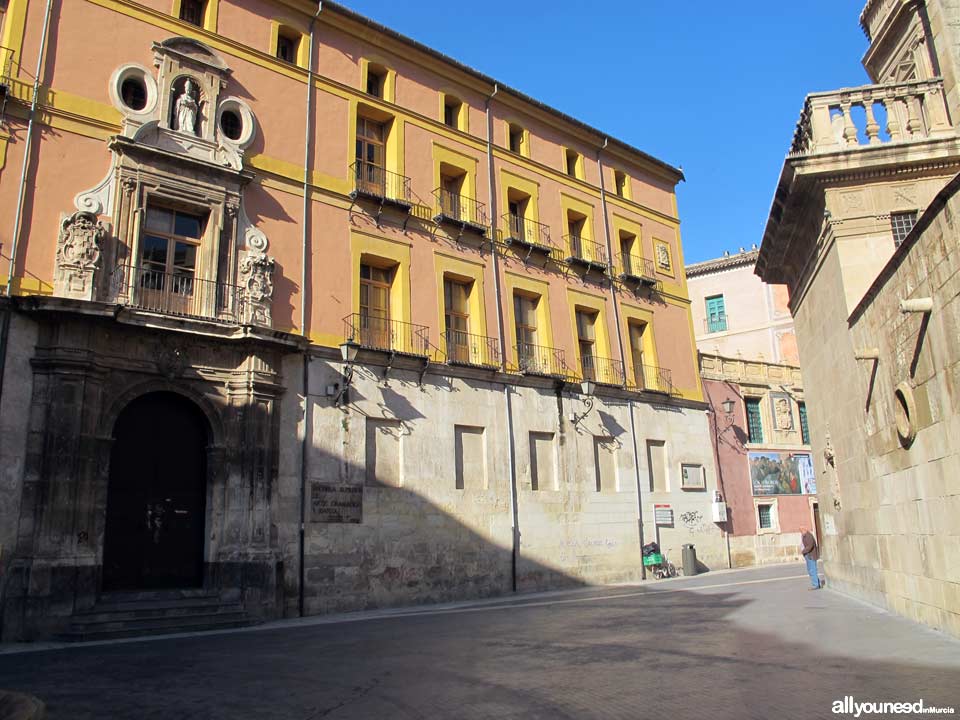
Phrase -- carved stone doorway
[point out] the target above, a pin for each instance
(156, 497)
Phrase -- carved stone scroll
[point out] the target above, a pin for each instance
(256, 288)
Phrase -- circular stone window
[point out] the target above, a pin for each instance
(231, 124)
(133, 93)
(236, 122)
(133, 90)
(905, 414)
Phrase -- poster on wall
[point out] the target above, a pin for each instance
(773, 473)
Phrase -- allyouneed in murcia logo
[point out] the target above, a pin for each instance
(849, 706)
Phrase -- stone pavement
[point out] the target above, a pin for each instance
(741, 644)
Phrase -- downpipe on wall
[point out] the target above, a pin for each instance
(304, 443)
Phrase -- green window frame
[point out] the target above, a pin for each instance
(804, 428)
(716, 314)
(754, 423)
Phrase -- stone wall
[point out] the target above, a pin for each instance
(901, 536)
(428, 466)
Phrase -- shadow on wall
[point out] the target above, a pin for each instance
(370, 543)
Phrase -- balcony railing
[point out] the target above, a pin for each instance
(634, 268)
(914, 111)
(463, 348)
(605, 371)
(540, 360)
(585, 252)
(376, 333)
(176, 294)
(460, 209)
(715, 323)
(378, 183)
(653, 379)
(529, 233)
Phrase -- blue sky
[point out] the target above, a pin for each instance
(713, 87)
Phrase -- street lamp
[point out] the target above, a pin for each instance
(348, 351)
(587, 387)
(727, 406)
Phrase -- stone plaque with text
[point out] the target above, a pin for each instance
(336, 503)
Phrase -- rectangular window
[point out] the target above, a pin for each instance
(765, 516)
(517, 204)
(586, 340)
(716, 314)
(371, 142)
(191, 11)
(627, 241)
(636, 330)
(692, 477)
(525, 318)
(620, 183)
(470, 458)
(452, 108)
(376, 80)
(605, 462)
(375, 283)
(542, 462)
(168, 260)
(902, 223)
(754, 425)
(456, 313)
(573, 163)
(804, 428)
(516, 138)
(383, 452)
(657, 465)
(287, 46)
(451, 200)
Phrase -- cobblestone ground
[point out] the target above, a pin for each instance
(743, 644)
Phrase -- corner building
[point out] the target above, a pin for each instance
(302, 316)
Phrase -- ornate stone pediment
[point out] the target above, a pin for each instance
(191, 52)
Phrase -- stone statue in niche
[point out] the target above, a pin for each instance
(663, 256)
(187, 108)
(78, 256)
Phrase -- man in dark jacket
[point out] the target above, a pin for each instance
(811, 553)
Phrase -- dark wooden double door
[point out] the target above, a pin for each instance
(156, 498)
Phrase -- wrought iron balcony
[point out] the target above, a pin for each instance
(636, 269)
(653, 379)
(527, 233)
(915, 111)
(178, 294)
(377, 183)
(385, 335)
(541, 360)
(586, 253)
(462, 348)
(604, 371)
(460, 210)
(715, 323)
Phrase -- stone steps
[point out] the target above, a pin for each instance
(119, 615)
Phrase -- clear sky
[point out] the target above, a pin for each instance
(714, 87)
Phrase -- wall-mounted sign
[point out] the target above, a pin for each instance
(336, 503)
(663, 514)
(774, 473)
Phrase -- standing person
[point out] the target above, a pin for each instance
(811, 553)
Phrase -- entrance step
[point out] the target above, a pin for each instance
(119, 615)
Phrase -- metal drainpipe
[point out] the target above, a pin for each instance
(303, 318)
(511, 448)
(623, 359)
(18, 217)
(636, 466)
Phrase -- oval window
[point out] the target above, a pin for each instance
(231, 124)
(133, 92)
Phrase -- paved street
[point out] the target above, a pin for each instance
(743, 644)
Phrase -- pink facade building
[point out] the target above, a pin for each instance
(302, 316)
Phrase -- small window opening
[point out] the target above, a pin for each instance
(516, 138)
(376, 80)
(451, 112)
(231, 124)
(191, 11)
(133, 92)
(287, 46)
